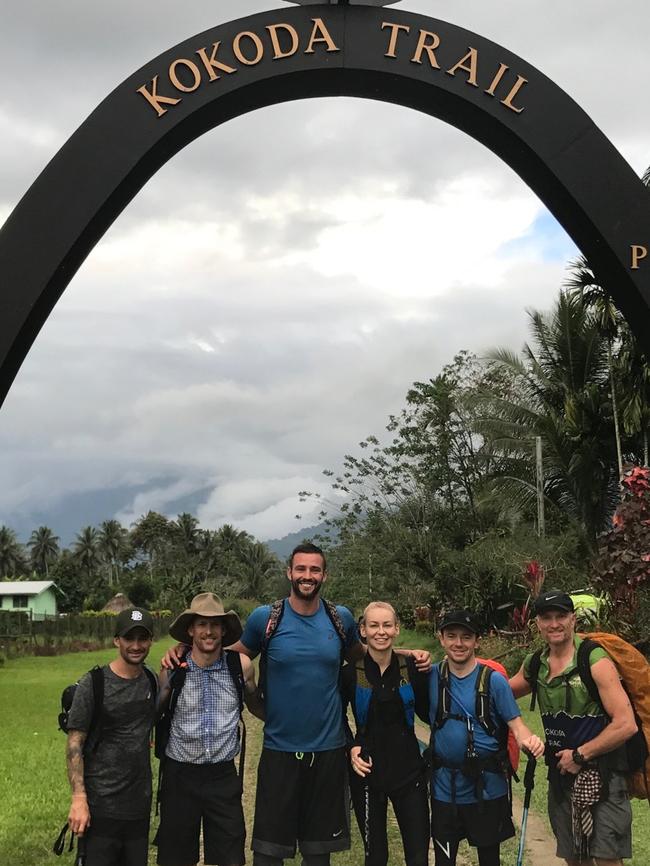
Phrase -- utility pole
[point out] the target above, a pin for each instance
(541, 525)
(370, 575)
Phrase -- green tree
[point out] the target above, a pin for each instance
(86, 551)
(112, 542)
(596, 298)
(258, 566)
(13, 560)
(44, 549)
(560, 393)
(186, 532)
(151, 538)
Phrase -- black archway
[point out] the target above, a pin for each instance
(295, 53)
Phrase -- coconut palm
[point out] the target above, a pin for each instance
(559, 391)
(44, 549)
(12, 554)
(634, 374)
(112, 541)
(595, 297)
(258, 564)
(187, 532)
(86, 550)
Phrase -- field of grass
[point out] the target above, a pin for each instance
(34, 790)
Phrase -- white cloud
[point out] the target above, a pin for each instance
(267, 299)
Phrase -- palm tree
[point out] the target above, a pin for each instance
(86, 550)
(634, 373)
(12, 555)
(186, 529)
(150, 534)
(111, 542)
(230, 541)
(559, 392)
(257, 565)
(631, 361)
(583, 282)
(44, 547)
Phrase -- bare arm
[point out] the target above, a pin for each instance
(422, 658)
(239, 647)
(617, 706)
(164, 691)
(79, 815)
(526, 740)
(251, 694)
(519, 684)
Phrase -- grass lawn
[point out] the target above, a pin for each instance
(33, 786)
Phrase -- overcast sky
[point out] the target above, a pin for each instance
(266, 300)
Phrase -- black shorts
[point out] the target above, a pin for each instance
(302, 797)
(195, 794)
(482, 826)
(112, 840)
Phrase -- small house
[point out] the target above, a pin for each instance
(37, 596)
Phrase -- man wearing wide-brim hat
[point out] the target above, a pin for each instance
(199, 732)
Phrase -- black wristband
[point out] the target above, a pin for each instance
(579, 758)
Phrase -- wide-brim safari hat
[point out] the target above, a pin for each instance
(206, 604)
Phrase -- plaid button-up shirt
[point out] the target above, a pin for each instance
(205, 725)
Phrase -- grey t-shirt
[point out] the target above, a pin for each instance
(117, 774)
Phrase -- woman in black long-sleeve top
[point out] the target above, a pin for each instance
(386, 691)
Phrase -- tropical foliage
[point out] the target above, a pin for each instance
(157, 562)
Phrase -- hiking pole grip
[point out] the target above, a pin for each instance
(529, 778)
(80, 859)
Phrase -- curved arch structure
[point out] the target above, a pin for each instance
(312, 51)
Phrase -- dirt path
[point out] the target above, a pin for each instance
(540, 842)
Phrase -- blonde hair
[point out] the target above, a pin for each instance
(384, 605)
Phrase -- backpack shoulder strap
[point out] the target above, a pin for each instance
(233, 661)
(483, 713)
(335, 617)
(444, 697)
(176, 683)
(153, 680)
(584, 668)
(272, 623)
(533, 676)
(95, 726)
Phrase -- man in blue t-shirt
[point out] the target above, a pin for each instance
(302, 775)
(469, 786)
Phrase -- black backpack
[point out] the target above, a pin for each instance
(275, 616)
(473, 766)
(95, 727)
(176, 683)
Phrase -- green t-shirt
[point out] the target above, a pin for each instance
(569, 714)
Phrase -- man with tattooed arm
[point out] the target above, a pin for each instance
(108, 757)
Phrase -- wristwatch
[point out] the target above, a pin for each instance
(579, 759)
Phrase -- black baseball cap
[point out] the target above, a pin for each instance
(133, 617)
(460, 617)
(553, 599)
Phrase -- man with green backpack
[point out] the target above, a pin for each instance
(588, 720)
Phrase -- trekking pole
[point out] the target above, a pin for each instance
(529, 784)
(80, 859)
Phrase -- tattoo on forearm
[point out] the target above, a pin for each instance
(74, 756)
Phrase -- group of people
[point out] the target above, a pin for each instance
(315, 662)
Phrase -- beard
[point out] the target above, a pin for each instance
(301, 593)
